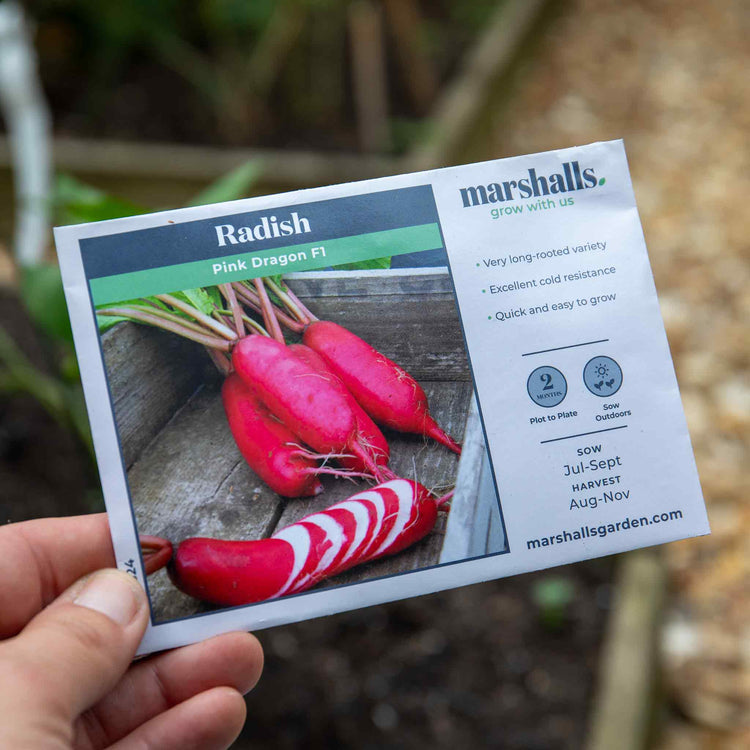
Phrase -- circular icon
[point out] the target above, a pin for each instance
(602, 376)
(547, 386)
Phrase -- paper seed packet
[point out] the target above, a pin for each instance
(508, 306)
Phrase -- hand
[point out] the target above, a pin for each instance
(66, 646)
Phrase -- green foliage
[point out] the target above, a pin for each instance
(62, 400)
(203, 300)
(553, 596)
(105, 322)
(231, 186)
(77, 203)
(42, 293)
(406, 131)
(235, 16)
(472, 16)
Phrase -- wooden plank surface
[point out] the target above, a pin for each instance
(149, 380)
(210, 491)
(411, 318)
(474, 526)
(403, 331)
(170, 165)
(186, 475)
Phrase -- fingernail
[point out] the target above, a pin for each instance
(113, 594)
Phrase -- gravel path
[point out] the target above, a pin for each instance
(671, 78)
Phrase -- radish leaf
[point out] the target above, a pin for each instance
(198, 298)
(105, 322)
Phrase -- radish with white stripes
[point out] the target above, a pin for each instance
(374, 523)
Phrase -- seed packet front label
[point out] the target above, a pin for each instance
(575, 382)
(516, 294)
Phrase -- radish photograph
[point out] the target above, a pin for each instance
(293, 434)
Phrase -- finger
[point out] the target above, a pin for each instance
(208, 721)
(76, 650)
(155, 685)
(40, 559)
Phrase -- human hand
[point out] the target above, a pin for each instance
(66, 646)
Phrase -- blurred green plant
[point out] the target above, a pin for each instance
(553, 596)
(41, 291)
(229, 51)
(250, 69)
(406, 131)
(61, 396)
(75, 202)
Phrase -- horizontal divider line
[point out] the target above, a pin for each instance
(583, 434)
(570, 346)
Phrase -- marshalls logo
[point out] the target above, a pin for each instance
(268, 227)
(571, 178)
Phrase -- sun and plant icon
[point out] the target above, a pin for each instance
(601, 375)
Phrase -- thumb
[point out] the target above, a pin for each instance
(75, 651)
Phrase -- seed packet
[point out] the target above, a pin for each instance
(342, 396)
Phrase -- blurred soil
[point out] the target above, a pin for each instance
(477, 667)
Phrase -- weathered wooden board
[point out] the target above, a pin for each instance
(149, 380)
(474, 527)
(186, 475)
(210, 491)
(409, 317)
(192, 481)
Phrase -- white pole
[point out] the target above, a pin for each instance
(28, 121)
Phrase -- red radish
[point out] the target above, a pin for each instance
(267, 445)
(371, 524)
(384, 390)
(155, 551)
(367, 429)
(304, 400)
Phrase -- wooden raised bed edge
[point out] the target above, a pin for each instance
(623, 711)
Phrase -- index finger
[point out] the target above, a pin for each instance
(41, 559)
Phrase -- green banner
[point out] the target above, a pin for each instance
(279, 260)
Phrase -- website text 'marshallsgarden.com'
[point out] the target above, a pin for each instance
(602, 530)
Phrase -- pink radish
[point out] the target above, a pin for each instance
(271, 449)
(366, 428)
(383, 389)
(267, 445)
(371, 524)
(303, 399)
